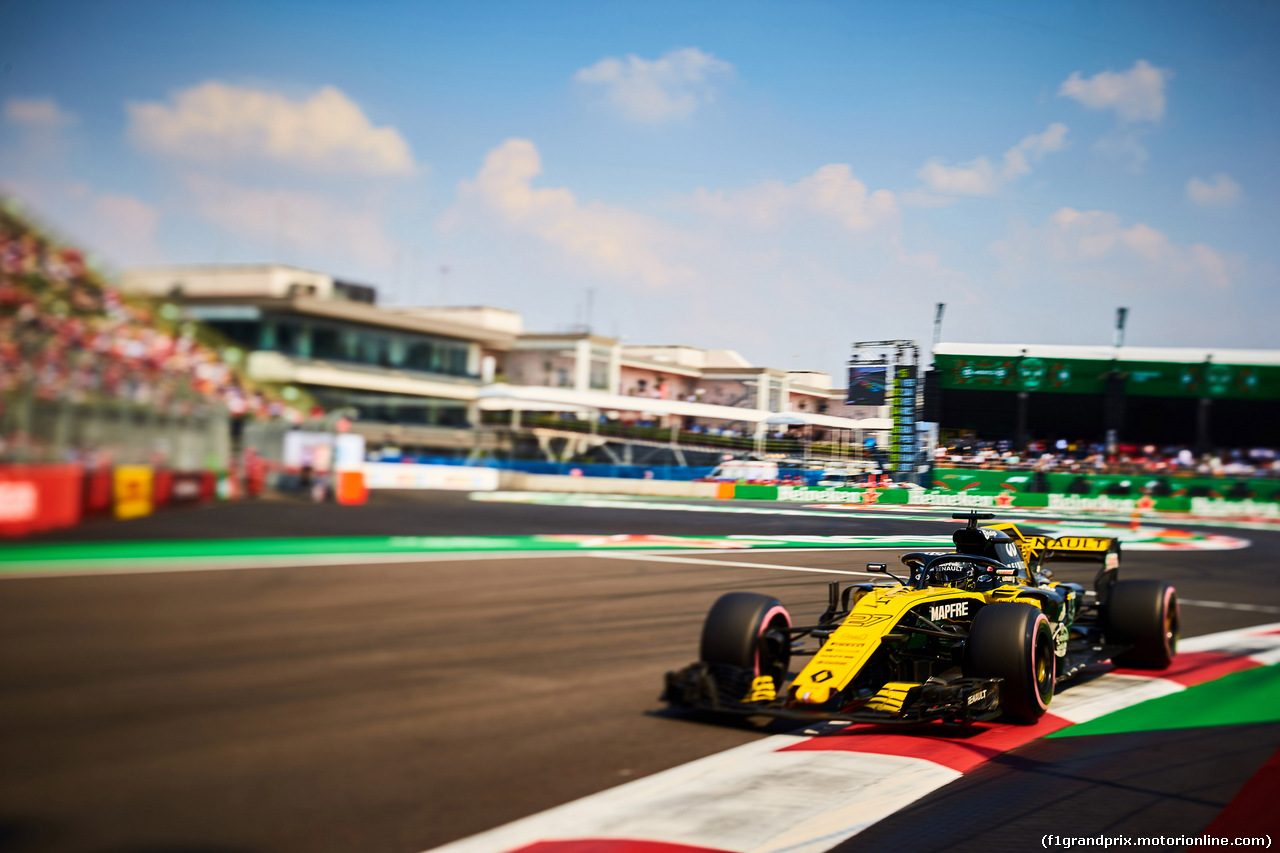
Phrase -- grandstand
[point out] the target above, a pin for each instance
(89, 374)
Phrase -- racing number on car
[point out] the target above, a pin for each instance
(821, 676)
(862, 620)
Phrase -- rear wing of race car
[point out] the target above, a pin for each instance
(1038, 550)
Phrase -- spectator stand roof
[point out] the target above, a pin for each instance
(500, 397)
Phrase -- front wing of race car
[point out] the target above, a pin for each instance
(727, 690)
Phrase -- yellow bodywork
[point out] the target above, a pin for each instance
(762, 689)
(851, 645)
(1033, 548)
(848, 649)
(891, 696)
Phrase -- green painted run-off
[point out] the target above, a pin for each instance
(1241, 698)
(88, 555)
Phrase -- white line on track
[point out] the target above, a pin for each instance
(675, 558)
(165, 565)
(869, 547)
(1231, 605)
(664, 558)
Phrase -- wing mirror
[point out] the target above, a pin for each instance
(883, 569)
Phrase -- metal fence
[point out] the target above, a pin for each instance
(113, 432)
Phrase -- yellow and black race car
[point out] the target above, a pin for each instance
(968, 635)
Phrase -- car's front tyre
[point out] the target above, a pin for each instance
(1014, 642)
(748, 631)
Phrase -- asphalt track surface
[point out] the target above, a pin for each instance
(396, 707)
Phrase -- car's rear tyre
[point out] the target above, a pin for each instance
(1143, 615)
(1014, 642)
(748, 630)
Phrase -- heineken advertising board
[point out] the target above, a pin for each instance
(1088, 376)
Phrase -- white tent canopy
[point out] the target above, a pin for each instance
(830, 421)
(535, 398)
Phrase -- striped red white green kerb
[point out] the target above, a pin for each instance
(815, 789)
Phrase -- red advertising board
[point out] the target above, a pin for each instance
(98, 485)
(39, 497)
(162, 486)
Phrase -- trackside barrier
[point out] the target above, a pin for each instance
(39, 497)
(161, 487)
(208, 485)
(351, 489)
(255, 475)
(185, 487)
(1006, 498)
(809, 494)
(588, 469)
(132, 491)
(517, 481)
(34, 498)
(97, 490)
(408, 475)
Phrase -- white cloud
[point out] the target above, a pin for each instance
(1094, 249)
(606, 239)
(1033, 146)
(788, 272)
(831, 192)
(327, 132)
(979, 176)
(1218, 191)
(121, 228)
(652, 250)
(656, 90)
(1134, 95)
(36, 113)
(288, 220)
(1124, 146)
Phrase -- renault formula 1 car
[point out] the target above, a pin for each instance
(967, 636)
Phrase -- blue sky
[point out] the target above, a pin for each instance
(779, 178)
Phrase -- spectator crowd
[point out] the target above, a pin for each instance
(66, 334)
(1082, 457)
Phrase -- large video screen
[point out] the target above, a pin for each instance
(866, 384)
(1089, 376)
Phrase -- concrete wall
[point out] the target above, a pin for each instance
(518, 481)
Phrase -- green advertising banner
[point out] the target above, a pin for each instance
(963, 479)
(1088, 376)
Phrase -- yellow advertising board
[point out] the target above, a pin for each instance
(132, 491)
